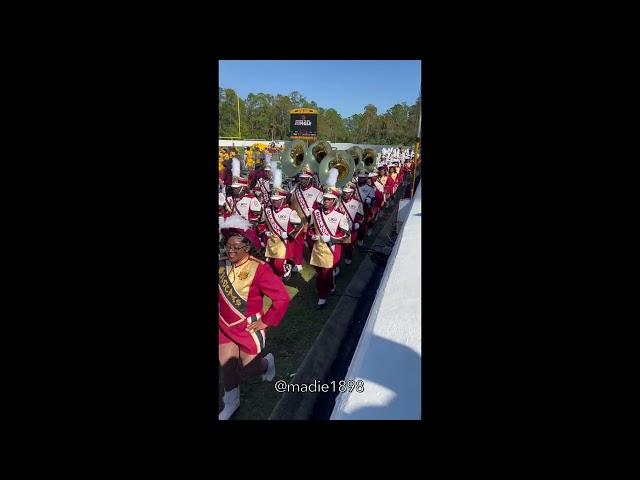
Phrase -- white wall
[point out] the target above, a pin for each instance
(388, 357)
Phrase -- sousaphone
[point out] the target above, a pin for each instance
(341, 161)
(369, 159)
(314, 155)
(292, 158)
(357, 154)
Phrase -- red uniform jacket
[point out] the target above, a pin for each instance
(241, 289)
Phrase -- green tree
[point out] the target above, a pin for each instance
(263, 115)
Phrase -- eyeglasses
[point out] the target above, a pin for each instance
(235, 249)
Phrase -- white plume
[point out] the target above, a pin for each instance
(332, 178)
(276, 174)
(235, 221)
(267, 157)
(235, 167)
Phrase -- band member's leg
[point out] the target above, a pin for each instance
(298, 248)
(228, 355)
(337, 253)
(252, 364)
(324, 283)
(277, 265)
(348, 247)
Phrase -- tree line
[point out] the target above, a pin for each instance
(263, 115)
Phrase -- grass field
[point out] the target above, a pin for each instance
(290, 341)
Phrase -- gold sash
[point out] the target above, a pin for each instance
(296, 206)
(230, 296)
(276, 247)
(322, 254)
(342, 209)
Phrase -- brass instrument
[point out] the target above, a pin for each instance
(357, 154)
(341, 161)
(314, 155)
(369, 159)
(292, 158)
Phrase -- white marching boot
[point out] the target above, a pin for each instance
(231, 401)
(271, 369)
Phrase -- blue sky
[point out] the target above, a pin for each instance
(345, 85)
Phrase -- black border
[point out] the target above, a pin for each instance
(155, 334)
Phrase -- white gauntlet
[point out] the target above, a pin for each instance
(326, 238)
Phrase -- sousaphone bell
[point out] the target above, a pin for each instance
(315, 153)
(292, 158)
(369, 159)
(341, 161)
(356, 154)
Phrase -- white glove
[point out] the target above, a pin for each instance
(267, 233)
(314, 237)
(285, 235)
(356, 226)
(368, 200)
(326, 238)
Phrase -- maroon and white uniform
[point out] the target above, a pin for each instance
(262, 185)
(248, 207)
(354, 211)
(367, 194)
(380, 188)
(326, 255)
(255, 175)
(241, 291)
(282, 225)
(303, 202)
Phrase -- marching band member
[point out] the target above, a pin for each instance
(382, 178)
(283, 226)
(244, 279)
(328, 228)
(262, 183)
(302, 198)
(379, 204)
(241, 202)
(352, 208)
(408, 171)
(262, 170)
(225, 177)
(393, 181)
(367, 194)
